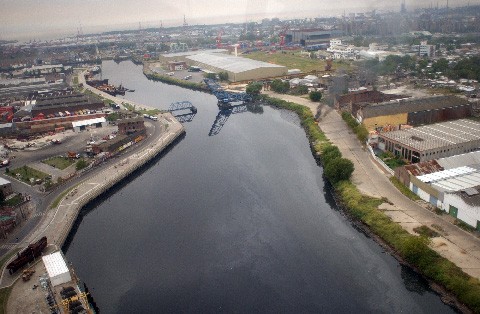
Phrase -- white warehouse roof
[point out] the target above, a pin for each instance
(232, 63)
(56, 268)
(88, 122)
(453, 180)
(472, 158)
(193, 52)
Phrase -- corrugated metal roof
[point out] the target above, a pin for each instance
(445, 174)
(55, 264)
(193, 52)
(232, 63)
(412, 105)
(437, 135)
(472, 158)
(88, 122)
(458, 183)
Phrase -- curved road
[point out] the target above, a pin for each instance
(22, 235)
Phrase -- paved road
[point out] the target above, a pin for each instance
(20, 237)
(455, 244)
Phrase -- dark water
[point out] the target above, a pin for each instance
(237, 222)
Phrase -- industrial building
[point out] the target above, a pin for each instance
(312, 36)
(238, 68)
(432, 141)
(60, 101)
(345, 102)
(451, 184)
(181, 56)
(411, 111)
(57, 268)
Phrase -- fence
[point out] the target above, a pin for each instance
(384, 165)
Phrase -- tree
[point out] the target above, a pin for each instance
(299, 90)
(330, 153)
(223, 76)
(211, 76)
(338, 170)
(279, 86)
(315, 96)
(254, 88)
(82, 163)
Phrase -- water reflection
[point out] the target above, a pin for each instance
(224, 114)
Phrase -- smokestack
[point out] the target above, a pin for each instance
(236, 55)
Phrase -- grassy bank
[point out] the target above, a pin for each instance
(4, 294)
(413, 249)
(358, 128)
(174, 81)
(404, 190)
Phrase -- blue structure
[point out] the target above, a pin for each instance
(224, 96)
(187, 111)
(223, 116)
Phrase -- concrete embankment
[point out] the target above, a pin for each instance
(58, 221)
(69, 207)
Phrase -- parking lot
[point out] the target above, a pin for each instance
(196, 77)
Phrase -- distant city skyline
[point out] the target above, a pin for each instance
(50, 19)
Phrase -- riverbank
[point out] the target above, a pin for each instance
(61, 214)
(147, 71)
(414, 250)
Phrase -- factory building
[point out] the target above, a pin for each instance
(432, 141)
(345, 102)
(238, 68)
(181, 56)
(451, 184)
(58, 101)
(312, 36)
(411, 111)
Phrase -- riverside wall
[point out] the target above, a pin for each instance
(90, 189)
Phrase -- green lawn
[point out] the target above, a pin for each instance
(59, 162)
(293, 60)
(25, 173)
(4, 293)
(17, 199)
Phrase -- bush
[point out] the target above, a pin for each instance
(223, 76)
(211, 76)
(280, 87)
(299, 90)
(81, 164)
(254, 88)
(330, 153)
(339, 169)
(315, 96)
(357, 128)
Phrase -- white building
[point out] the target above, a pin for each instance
(455, 190)
(57, 269)
(425, 50)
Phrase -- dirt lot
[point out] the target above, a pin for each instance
(197, 77)
(43, 147)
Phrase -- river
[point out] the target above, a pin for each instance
(236, 222)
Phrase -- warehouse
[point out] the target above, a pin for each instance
(57, 269)
(455, 191)
(181, 56)
(238, 68)
(411, 111)
(432, 141)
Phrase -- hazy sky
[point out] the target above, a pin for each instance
(34, 19)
